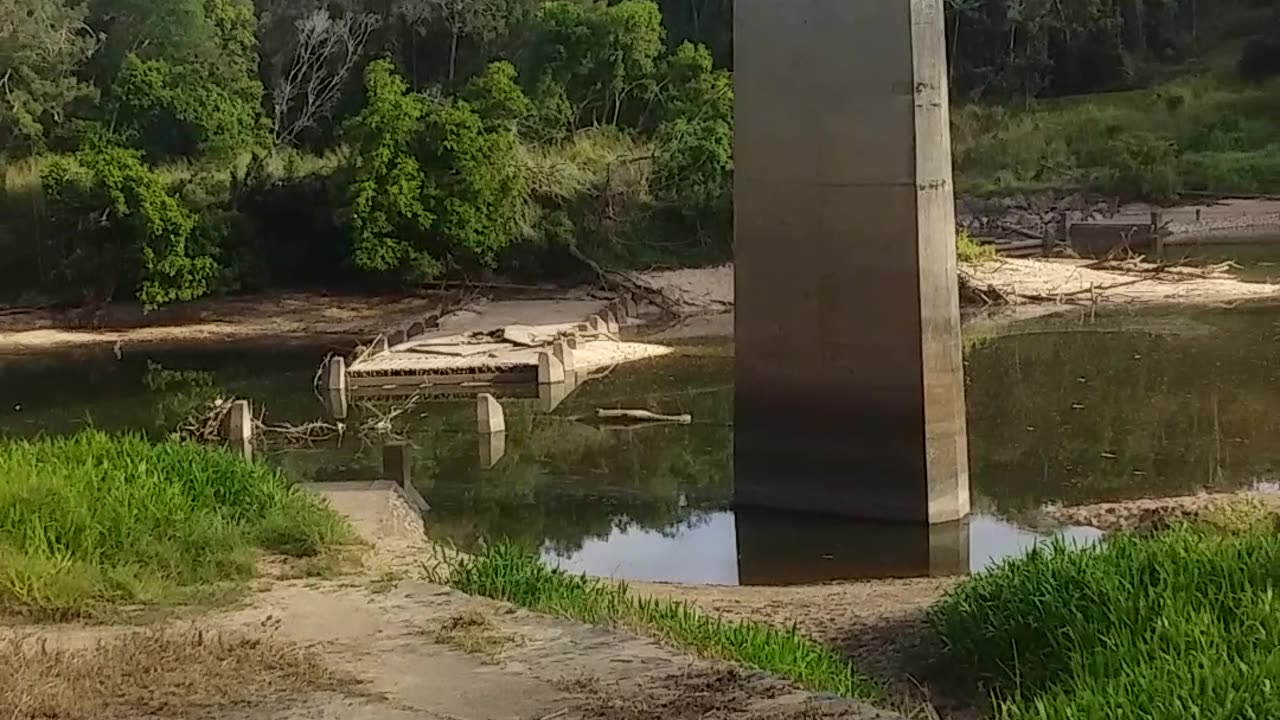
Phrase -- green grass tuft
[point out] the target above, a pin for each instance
(969, 250)
(96, 520)
(509, 573)
(1181, 624)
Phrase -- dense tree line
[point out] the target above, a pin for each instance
(167, 149)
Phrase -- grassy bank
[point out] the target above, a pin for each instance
(1203, 132)
(1181, 624)
(97, 520)
(509, 573)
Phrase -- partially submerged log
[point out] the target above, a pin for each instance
(642, 416)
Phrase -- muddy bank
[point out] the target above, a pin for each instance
(301, 318)
(1014, 281)
(1227, 510)
(291, 318)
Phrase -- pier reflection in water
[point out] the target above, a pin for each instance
(751, 547)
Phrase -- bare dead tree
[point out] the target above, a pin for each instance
(325, 50)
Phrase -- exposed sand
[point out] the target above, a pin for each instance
(1054, 281)
(405, 649)
(701, 291)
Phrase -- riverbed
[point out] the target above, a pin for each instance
(1081, 407)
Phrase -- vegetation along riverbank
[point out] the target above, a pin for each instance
(95, 522)
(169, 150)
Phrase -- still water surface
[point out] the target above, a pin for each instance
(1071, 409)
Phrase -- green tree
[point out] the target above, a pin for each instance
(601, 54)
(43, 44)
(693, 88)
(434, 187)
(181, 75)
(389, 220)
(122, 227)
(496, 96)
(480, 21)
(480, 195)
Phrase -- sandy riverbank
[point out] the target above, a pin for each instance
(697, 292)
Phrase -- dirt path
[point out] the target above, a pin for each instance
(385, 644)
(879, 625)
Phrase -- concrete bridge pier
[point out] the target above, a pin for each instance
(850, 389)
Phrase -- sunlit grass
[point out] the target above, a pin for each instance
(969, 250)
(1221, 133)
(98, 520)
(509, 573)
(1181, 624)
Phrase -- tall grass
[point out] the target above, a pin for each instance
(1205, 132)
(1184, 624)
(96, 520)
(510, 573)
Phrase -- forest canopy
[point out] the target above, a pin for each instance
(166, 149)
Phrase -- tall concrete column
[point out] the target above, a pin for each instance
(850, 388)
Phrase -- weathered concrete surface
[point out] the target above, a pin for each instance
(383, 629)
(849, 380)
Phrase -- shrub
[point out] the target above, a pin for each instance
(121, 226)
(433, 186)
(969, 250)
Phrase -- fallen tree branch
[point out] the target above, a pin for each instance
(643, 416)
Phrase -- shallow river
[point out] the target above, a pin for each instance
(1070, 409)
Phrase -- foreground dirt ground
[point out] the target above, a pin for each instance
(379, 644)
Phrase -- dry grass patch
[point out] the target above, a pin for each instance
(474, 633)
(701, 693)
(177, 673)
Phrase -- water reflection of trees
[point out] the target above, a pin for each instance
(1069, 417)
(1115, 412)
(563, 479)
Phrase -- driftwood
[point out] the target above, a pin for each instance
(1010, 227)
(642, 416)
(206, 425)
(976, 293)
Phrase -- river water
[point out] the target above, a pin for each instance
(1070, 409)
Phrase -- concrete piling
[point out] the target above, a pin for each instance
(396, 464)
(611, 323)
(489, 415)
(550, 369)
(492, 447)
(551, 395)
(335, 373)
(849, 383)
(564, 354)
(238, 429)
